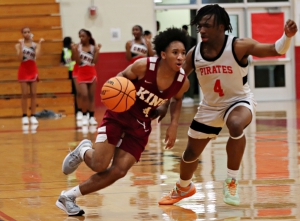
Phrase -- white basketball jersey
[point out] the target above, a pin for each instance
(222, 79)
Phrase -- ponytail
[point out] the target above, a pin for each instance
(92, 41)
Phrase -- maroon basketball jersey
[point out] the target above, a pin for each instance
(148, 97)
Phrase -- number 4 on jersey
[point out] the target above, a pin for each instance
(218, 88)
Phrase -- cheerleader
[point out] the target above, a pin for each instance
(27, 52)
(86, 55)
(138, 47)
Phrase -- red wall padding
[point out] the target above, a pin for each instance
(267, 28)
(109, 65)
(297, 71)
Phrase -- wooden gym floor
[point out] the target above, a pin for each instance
(31, 177)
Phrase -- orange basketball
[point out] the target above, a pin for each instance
(118, 94)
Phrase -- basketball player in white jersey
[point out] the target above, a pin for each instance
(138, 47)
(221, 64)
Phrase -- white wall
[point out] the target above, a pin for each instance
(297, 20)
(173, 18)
(118, 14)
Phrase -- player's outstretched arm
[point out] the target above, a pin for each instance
(136, 70)
(247, 46)
(175, 108)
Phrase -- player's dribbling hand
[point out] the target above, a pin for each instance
(290, 28)
(170, 137)
(159, 112)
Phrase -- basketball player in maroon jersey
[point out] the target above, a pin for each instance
(28, 51)
(123, 136)
(86, 56)
(138, 47)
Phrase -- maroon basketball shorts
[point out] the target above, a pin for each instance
(125, 132)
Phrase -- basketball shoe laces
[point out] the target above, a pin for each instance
(74, 160)
(232, 187)
(176, 192)
(71, 203)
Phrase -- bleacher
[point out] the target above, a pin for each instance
(54, 89)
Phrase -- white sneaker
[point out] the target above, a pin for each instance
(188, 102)
(68, 204)
(93, 121)
(25, 128)
(25, 120)
(33, 128)
(78, 123)
(73, 159)
(33, 120)
(93, 129)
(85, 120)
(79, 115)
(85, 130)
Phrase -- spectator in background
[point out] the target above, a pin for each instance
(148, 35)
(66, 60)
(157, 26)
(188, 100)
(27, 52)
(138, 47)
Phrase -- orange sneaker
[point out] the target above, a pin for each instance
(178, 193)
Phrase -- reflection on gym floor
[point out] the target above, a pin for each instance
(31, 177)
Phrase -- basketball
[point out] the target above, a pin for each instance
(118, 94)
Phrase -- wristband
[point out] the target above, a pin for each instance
(282, 44)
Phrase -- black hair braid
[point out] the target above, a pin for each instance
(220, 16)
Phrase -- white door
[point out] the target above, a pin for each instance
(270, 79)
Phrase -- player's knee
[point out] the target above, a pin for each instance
(235, 128)
(98, 167)
(119, 172)
(189, 154)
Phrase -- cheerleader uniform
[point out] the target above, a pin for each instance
(28, 71)
(86, 70)
(138, 50)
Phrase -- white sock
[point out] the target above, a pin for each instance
(83, 150)
(232, 173)
(75, 191)
(184, 183)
